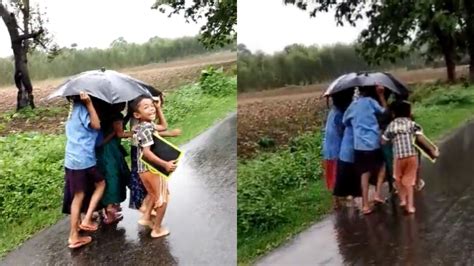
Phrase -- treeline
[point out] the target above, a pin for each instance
(302, 65)
(120, 54)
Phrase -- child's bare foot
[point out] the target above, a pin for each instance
(403, 204)
(162, 232)
(145, 223)
(411, 210)
(79, 241)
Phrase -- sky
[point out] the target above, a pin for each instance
(96, 23)
(269, 26)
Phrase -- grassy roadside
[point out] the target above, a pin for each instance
(271, 210)
(31, 164)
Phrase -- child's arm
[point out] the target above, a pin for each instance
(149, 155)
(162, 125)
(94, 118)
(380, 93)
(118, 130)
(170, 133)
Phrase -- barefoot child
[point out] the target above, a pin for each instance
(368, 157)
(331, 144)
(81, 175)
(401, 131)
(156, 186)
(138, 194)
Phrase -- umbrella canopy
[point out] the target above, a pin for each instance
(107, 85)
(351, 80)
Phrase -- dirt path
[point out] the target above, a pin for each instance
(164, 76)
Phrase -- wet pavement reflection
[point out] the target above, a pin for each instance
(440, 233)
(201, 217)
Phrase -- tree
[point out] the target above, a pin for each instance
(221, 18)
(397, 27)
(14, 13)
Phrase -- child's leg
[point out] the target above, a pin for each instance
(409, 182)
(147, 180)
(160, 205)
(402, 193)
(380, 179)
(96, 196)
(365, 191)
(75, 217)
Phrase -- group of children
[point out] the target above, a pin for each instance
(96, 172)
(367, 140)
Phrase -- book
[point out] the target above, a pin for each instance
(166, 151)
(425, 146)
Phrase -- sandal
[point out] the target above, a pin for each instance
(367, 211)
(79, 243)
(116, 216)
(163, 232)
(88, 228)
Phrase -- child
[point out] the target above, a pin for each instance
(80, 170)
(347, 182)
(137, 190)
(156, 186)
(331, 144)
(112, 164)
(401, 132)
(368, 157)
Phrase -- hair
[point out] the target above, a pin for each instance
(401, 109)
(342, 99)
(133, 106)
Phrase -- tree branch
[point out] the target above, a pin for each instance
(33, 35)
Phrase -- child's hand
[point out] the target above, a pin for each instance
(436, 153)
(85, 97)
(176, 132)
(379, 89)
(170, 166)
(157, 102)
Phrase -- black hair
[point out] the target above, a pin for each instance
(401, 109)
(342, 99)
(133, 106)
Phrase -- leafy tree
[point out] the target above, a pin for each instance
(25, 27)
(397, 27)
(221, 18)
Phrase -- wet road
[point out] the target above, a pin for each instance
(440, 233)
(201, 217)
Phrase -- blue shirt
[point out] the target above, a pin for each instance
(346, 153)
(333, 134)
(361, 114)
(81, 139)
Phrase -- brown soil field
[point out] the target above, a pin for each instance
(284, 113)
(164, 76)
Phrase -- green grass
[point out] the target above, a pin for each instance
(31, 164)
(271, 209)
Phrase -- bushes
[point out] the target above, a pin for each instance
(213, 83)
(31, 175)
(264, 180)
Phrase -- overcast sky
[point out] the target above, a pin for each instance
(269, 25)
(96, 23)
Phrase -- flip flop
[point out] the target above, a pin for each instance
(80, 243)
(162, 234)
(379, 201)
(88, 228)
(367, 211)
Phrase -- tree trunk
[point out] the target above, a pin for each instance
(469, 18)
(448, 48)
(22, 77)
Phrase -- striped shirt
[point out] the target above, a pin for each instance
(143, 137)
(401, 132)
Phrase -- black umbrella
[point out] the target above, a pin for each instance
(107, 85)
(351, 80)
